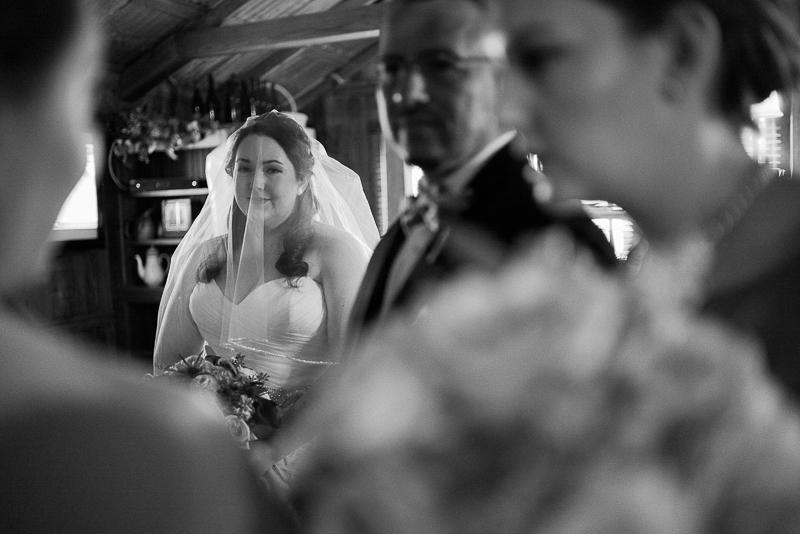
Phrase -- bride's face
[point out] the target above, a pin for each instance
(266, 182)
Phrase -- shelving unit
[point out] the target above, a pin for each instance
(74, 296)
(144, 295)
(158, 241)
(186, 192)
(136, 303)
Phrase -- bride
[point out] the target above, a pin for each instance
(269, 269)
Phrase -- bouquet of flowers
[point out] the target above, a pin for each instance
(238, 391)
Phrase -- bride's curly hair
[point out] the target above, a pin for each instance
(294, 141)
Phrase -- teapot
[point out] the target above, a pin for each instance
(151, 271)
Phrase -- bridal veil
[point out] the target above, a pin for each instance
(210, 247)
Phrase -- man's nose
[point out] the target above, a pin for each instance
(412, 89)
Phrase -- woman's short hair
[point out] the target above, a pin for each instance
(33, 36)
(760, 45)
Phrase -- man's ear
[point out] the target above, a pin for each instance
(694, 40)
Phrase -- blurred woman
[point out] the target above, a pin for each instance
(552, 397)
(643, 104)
(86, 446)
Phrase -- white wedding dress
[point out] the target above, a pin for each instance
(281, 331)
(284, 334)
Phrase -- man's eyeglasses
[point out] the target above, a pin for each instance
(436, 67)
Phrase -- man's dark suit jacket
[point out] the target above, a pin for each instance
(501, 210)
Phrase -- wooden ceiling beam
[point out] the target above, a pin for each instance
(216, 16)
(274, 59)
(270, 62)
(338, 76)
(290, 32)
(149, 70)
(179, 9)
(164, 59)
(299, 30)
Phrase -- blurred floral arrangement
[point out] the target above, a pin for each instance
(138, 133)
(239, 392)
(554, 397)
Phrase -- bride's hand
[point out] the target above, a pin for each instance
(262, 456)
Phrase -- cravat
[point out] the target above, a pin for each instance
(420, 209)
(413, 249)
(420, 222)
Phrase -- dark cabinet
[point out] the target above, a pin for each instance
(74, 295)
(351, 133)
(136, 225)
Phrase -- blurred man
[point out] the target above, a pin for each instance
(440, 66)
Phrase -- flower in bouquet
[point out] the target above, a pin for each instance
(206, 383)
(239, 392)
(239, 429)
(190, 367)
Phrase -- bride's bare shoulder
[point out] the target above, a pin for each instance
(326, 236)
(334, 244)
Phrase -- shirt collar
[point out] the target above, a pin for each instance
(456, 181)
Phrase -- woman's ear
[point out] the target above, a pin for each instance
(302, 185)
(694, 38)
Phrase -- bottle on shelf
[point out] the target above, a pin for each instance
(212, 103)
(266, 102)
(198, 105)
(171, 104)
(273, 97)
(255, 103)
(244, 101)
(231, 101)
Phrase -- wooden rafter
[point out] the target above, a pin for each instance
(221, 11)
(180, 9)
(270, 62)
(300, 30)
(163, 60)
(275, 58)
(337, 76)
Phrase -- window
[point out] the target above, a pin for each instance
(615, 224)
(78, 218)
(766, 144)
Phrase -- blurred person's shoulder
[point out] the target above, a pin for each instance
(40, 364)
(765, 239)
(88, 442)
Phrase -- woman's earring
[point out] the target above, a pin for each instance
(674, 89)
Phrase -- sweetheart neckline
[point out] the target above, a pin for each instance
(259, 286)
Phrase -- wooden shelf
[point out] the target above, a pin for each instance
(162, 241)
(158, 181)
(165, 193)
(143, 294)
